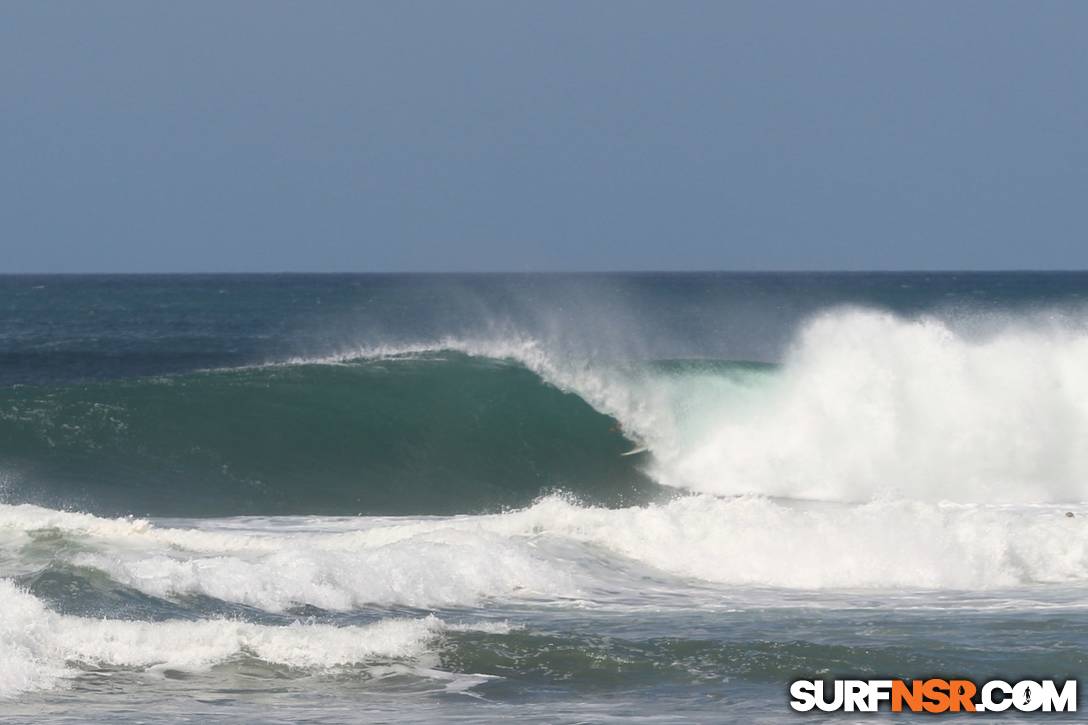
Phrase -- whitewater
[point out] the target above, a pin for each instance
(441, 524)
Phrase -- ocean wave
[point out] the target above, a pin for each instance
(866, 405)
(443, 432)
(558, 551)
(40, 649)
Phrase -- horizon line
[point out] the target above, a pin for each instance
(551, 272)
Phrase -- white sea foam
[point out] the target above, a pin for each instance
(871, 405)
(894, 544)
(39, 648)
(553, 551)
(426, 563)
(447, 566)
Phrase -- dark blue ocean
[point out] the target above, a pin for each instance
(553, 498)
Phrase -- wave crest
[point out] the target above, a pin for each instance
(40, 649)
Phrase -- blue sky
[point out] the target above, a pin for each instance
(354, 136)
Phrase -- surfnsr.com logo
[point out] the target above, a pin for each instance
(933, 695)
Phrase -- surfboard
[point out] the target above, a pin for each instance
(633, 451)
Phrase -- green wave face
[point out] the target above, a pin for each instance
(433, 434)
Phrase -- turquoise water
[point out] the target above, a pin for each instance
(404, 498)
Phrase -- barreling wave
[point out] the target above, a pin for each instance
(866, 405)
(434, 432)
